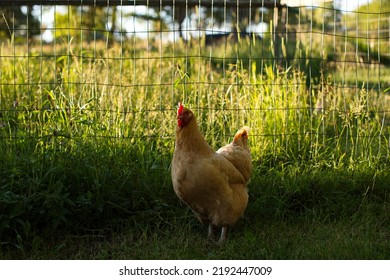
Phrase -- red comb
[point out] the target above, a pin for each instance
(180, 109)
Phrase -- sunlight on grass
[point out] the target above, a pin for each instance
(87, 136)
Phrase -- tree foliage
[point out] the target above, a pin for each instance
(369, 27)
(85, 23)
(18, 22)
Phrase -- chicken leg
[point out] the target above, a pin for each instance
(222, 239)
(210, 233)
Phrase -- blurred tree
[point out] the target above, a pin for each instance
(368, 28)
(176, 13)
(87, 23)
(19, 22)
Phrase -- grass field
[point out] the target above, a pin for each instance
(87, 136)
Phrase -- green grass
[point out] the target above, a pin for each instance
(87, 136)
(298, 213)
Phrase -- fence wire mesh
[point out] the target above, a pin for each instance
(309, 77)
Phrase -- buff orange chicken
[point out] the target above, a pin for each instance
(204, 180)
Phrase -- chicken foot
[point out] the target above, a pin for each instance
(211, 234)
(222, 239)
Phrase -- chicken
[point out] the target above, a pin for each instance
(204, 180)
(238, 153)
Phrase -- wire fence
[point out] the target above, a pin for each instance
(308, 77)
